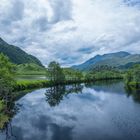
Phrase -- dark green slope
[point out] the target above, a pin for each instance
(120, 60)
(16, 55)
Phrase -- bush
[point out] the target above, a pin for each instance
(132, 77)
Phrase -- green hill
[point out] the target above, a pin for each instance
(120, 60)
(30, 69)
(16, 55)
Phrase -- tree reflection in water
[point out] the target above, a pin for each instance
(134, 93)
(9, 132)
(7, 111)
(55, 94)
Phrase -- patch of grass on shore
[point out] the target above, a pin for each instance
(30, 69)
(3, 119)
(134, 85)
(27, 84)
(132, 78)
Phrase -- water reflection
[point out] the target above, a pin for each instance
(108, 86)
(7, 111)
(76, 112)
(7, 108)
(55, 94)
(134, 93)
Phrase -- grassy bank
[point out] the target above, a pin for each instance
(7, 111)
(27, 84)
(3, 117)
(29, 77)
(134, 85)
(132, 78)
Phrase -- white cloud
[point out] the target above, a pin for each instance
(71, 31)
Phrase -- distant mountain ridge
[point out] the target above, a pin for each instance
(17, 55)
(120, 60)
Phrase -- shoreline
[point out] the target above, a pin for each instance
(28, 85)
(134, 85)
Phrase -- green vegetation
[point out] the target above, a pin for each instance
(55, 76)
(120, 60)
(60, 76)
(6, 74)
(6, 86)
(1, 105)
(3, 119)
(103, 73)
(55, 73)
(132, 77)
(26, 84)
(73, 75)
(30, 69)
(16, 55)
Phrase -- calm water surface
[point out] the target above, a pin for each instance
(104, 111)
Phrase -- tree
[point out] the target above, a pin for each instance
(72, 74)
(6, 84)
(55, 73)
(136, 73)
(6, 74)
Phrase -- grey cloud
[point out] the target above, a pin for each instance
(17, 10)
(86, 49)
(41, 24)
(69, 29)
(72, 33)
(12, 13)
(132, 2)
(62, 10)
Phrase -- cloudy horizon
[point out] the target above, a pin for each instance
(71, 31)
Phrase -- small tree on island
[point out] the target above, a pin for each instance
(55, 73)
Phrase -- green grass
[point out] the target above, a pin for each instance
(31, 73)
(33, 84)
(3, 119)
(26, 84)
(134, 85)
(30, 69)
(132, 77)
(1, 105)
(30, 77)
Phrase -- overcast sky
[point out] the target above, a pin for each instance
(71, 31)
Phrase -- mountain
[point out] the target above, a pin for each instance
(120, 60)
(16, 55)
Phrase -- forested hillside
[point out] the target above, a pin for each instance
(16, 55)
(119, 60)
